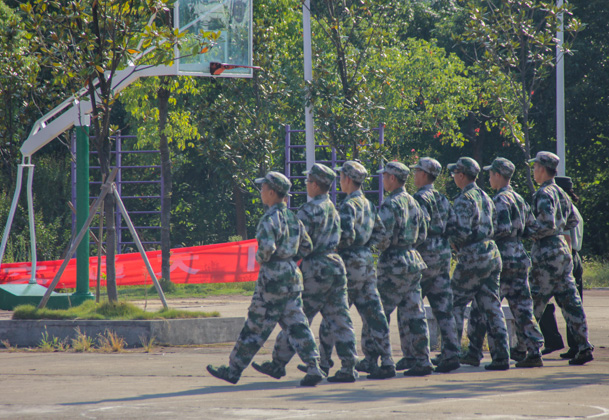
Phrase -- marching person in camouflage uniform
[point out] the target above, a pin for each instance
(277, 297)
(476, 276)
(552, 272)
(435, 251)
(361, 228)
(400, 264)
(514, 221)
(324, 278)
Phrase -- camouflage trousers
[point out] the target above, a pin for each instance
(476, 278)
(515, 289)
(552, 276)
(362, 292)
(435, 285)
(326, 294)
(265, 311)
(401, 289)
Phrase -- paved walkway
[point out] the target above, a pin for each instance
(173, 383)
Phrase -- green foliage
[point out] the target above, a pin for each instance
(515, 40)
(427, 93)
(104, 310)
(596, 273)
(18, 71)
(51, 191)
(345, 37)
(50, 343)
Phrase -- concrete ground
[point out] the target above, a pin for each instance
(173, 383)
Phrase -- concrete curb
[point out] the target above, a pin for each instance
(171, 332)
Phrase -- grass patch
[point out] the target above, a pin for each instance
(596, 273)
(111, 342)
(105, 311)
(187, 290)
(51, 344)
(82, 342)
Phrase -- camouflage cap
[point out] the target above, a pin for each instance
(321, 173)
(277, 181)
(398, 169)
(353, 170)
(465, 165)
(429, 165)
(547, 159)
(501, 166)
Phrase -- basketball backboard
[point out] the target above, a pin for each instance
(233, 18)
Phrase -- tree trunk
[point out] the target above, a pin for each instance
(103, 148)
(109, 206)
(102, 142)
(240, 212)
(166, 177)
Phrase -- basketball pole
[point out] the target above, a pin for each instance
(560, 96)
(308, 77)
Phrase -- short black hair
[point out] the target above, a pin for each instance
(507, 178)
(470, 177)
(550, 171)
(279, 194)
(323, 187)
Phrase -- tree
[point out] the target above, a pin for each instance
(346, 35)
(516, 38)
(86, 44)
(18, 71)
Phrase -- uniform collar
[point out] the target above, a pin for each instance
(397, 191)
(548, 182)
(426, 187)
(355, 193)
(321, 197)
(469, 187)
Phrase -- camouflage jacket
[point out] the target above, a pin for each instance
(473, 218)
(359, 222)
(281, 237)
(322, 223)
(554, 211)
(405, 227)
(514, 221)
(437, 211)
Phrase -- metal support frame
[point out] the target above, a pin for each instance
(11, 215)
(289, 163)
(121, 181)
(107, 187)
